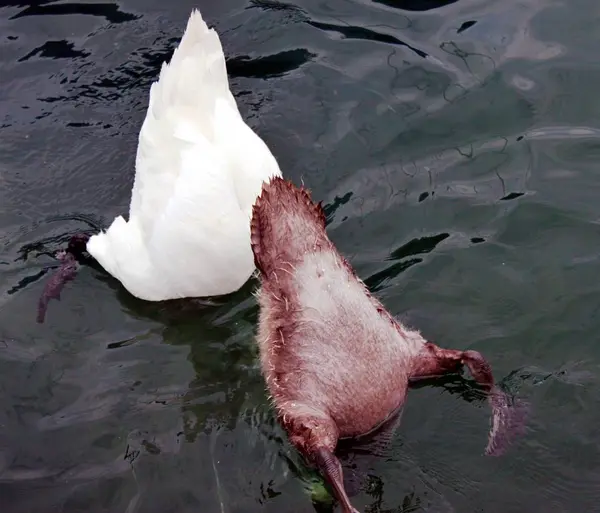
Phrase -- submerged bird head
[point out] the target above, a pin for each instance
(67, 270)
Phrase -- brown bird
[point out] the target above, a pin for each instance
(337, 365)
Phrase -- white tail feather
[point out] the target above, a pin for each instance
(198, 167)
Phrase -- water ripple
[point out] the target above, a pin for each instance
(455, 148)
(111, 12)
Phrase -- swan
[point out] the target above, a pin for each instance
(199, 168)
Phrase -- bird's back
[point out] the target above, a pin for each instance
(190, 107)
(324, 340)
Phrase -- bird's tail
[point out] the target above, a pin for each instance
(286, 224)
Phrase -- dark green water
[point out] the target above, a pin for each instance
(456, 149)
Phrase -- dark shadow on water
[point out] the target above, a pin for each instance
(28, 280)
(466, 25)
(55, 50)
(268, 66)
(143, 66)
(110, 11)
(512, 196)
(418, 246)
(376, 281)
(174, 312)
(274, 5)
(421, 245)
(415, 5)
(331, 208)
(354, 32)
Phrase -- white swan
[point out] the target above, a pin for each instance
(199, 169)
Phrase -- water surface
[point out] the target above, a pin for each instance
(455, 146)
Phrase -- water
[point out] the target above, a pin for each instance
(456, 151)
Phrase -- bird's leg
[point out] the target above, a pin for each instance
(507, 419)
(434, 362)
(331, 468)
(65, 273)
(315, 435)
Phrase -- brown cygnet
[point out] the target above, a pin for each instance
(336, 363)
